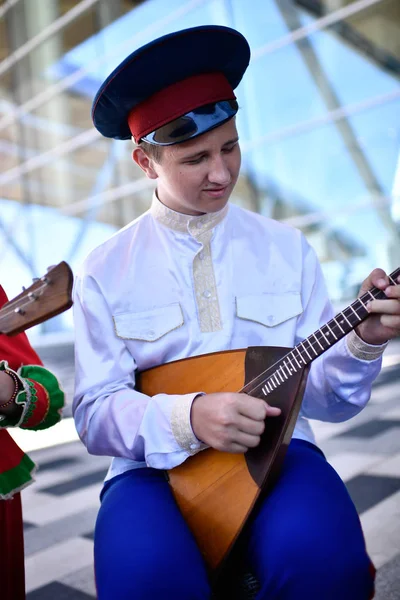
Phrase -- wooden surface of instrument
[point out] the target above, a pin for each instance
(216, 491)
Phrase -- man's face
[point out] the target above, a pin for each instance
(198, 176)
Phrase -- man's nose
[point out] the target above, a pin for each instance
(219, 172)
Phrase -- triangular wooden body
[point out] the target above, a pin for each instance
(216, 491)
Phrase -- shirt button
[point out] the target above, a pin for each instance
(201, 255)
(194, 446)
(207, 294)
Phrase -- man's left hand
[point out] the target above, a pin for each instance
(383, 324)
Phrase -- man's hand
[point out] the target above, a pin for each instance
(383, 324)
(230, 422)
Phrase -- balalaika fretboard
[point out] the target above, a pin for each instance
(317, 343)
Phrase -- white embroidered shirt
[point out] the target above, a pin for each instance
(169, 286)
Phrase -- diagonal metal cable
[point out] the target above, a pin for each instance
(53, 28)
(6, 6)
(67, 82)
(322, 23)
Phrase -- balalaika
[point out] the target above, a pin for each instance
(216, 491)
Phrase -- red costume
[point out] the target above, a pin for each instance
(41, 400)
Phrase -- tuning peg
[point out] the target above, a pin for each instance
(35, 279)
(19, 311)
(32, 296)
(23, 288)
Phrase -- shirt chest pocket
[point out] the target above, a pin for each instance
(149, 325)
(270, 318)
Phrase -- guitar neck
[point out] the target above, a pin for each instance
(317, 343)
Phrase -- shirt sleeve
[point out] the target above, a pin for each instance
(340, 380)
(112, 418)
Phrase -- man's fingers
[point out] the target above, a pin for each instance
(273, 411)
(250, 426)
(247, 440)
(256, 409)
(391, 321)
(377, 278)
(387, 307)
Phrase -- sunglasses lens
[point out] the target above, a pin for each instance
(193, 123)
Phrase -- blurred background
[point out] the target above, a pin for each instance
(318, 122)
(319, 126)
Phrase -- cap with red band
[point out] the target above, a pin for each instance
(176, 100)
(170, 77)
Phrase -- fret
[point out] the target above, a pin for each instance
(361, 302)
(338, 324)
(325, 338)
(371, 294)
(344, 316)
(282, 372)
(357, 315)
(305, 349)
(279, 373)
(311, 346)
(351, 316)
(315, 336)
(297, 363)
(291, 365)
(331, 331)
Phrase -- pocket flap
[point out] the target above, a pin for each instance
(269, 309)
(149, 325)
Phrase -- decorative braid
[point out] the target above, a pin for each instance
(16, 389)
(32, 403)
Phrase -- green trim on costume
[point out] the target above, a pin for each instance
(52, 386)
(31, 405)
(16, 479)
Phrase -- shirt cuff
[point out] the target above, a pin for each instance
(361, 349)
(181, 425)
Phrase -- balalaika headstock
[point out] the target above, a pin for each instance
(47, 297)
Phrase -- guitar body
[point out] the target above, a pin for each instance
(216, 491)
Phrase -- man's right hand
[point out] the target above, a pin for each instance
(230, 422)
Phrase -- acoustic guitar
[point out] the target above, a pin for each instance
(47, 297)
(217, 491)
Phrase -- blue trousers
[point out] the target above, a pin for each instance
(303, 543)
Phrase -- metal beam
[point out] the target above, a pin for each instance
(331, 100)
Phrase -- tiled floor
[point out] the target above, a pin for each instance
(60, 509)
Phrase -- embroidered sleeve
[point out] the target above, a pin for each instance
(361, 349)
(181, 426)
(40, 396)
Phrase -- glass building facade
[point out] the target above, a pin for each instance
(319, 125)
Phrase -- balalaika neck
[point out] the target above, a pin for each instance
(317, 343)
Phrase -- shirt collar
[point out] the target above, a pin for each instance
(192, 224)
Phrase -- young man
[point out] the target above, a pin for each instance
(191, 276)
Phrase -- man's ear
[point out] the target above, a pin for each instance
(145, 163)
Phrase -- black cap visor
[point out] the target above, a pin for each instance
(193, 123)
